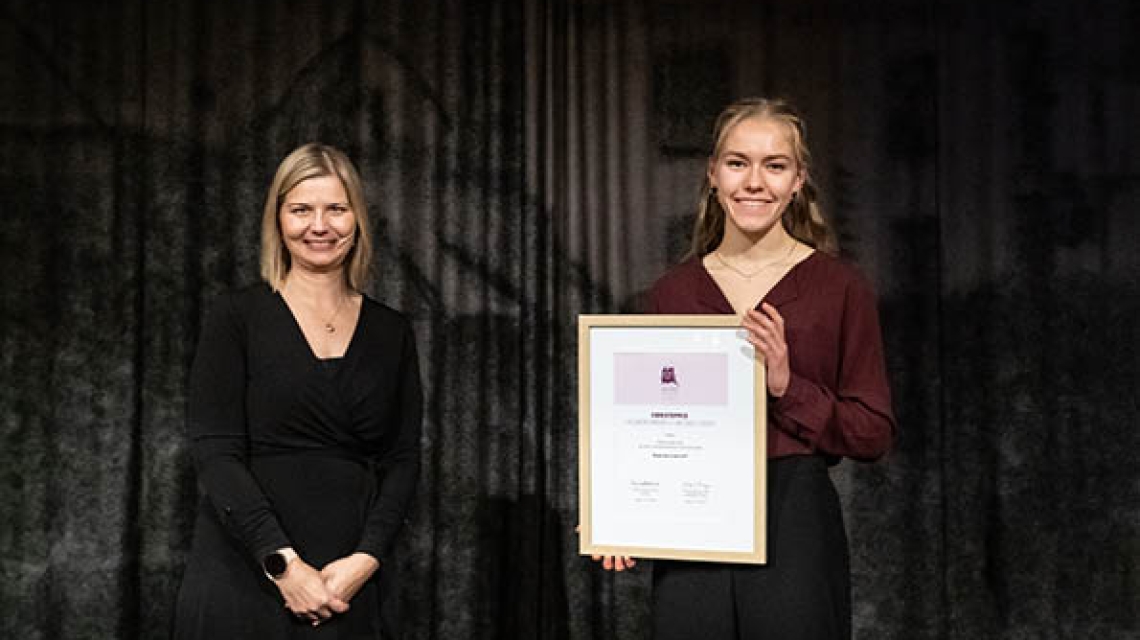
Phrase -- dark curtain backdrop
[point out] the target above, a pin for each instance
(529, 161)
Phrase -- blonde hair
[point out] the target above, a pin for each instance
(803, 218)
(314, 160)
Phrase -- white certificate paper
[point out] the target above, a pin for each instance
(672, 446)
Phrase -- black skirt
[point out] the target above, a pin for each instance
(803, 593)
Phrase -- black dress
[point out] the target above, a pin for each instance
(292, 450)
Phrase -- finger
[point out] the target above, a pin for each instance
(755, 330)
(753, 319)
(776, 318)
(608, 563)
(766, 340)
(770, 331)
(596, 558)
(766, 328)
(760, 343)
(761, 332)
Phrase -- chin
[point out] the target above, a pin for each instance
(755, 227)
(321, 263)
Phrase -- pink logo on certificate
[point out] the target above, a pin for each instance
(671, 378)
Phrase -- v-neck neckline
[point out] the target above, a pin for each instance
(300, 333)
(776, 296)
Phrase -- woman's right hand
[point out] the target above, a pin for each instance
(615, 563)
(306, 595)
(611, 563)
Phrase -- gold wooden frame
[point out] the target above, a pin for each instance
(758, 555)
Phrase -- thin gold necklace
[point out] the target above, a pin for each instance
(329, 326)
(749, 275)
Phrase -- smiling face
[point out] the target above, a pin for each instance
(755, 175)
(317, 224)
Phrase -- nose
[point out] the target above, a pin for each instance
(319, 222)
(754, 180)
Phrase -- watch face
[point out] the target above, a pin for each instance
(274, 564)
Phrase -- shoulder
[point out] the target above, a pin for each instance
(228, 315)
(678, 287)
(387, 330)
(383, 315)
(831, 272)
(252, 294)
(684, 277)
(244, 302)
(838, 285)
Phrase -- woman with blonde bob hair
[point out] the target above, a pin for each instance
(762, 250)
(312, 161)
(302, 390)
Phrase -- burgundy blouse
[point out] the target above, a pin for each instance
(838, 402)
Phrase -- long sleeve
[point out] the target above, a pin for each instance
(219, 437)
(399, 466)
(852, 417)
(838, 401)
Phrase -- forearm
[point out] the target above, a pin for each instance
(389, 513)
(858, 426)
(237, 499)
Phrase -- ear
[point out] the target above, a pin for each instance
(801, 178)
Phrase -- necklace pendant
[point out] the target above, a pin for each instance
(329, 327)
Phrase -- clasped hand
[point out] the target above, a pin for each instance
(317, 595)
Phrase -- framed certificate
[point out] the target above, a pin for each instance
(672, 444)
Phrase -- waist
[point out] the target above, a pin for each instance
(270, 452)
(782, 445)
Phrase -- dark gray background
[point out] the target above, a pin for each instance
(529, 161)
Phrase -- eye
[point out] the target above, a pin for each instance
(777, 166)
(299, 210)
(734, 163)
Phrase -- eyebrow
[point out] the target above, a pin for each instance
(774, 156)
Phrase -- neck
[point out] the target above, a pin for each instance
(773, 243)
(319, 288)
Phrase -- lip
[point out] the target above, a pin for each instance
(321, 244)
(753, 204)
